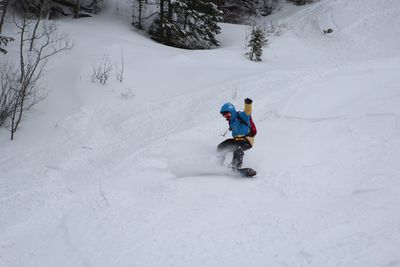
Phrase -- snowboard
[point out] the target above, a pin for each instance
(243, 172)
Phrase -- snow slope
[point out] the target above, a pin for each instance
(110, 176)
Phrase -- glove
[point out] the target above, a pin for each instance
(248, 101)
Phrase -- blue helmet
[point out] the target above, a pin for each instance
(228, 107)
(238, 127)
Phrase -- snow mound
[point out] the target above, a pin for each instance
(361, 30)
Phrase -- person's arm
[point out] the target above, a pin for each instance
(248, 106)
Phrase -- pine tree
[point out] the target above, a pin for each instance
(301, 2)
(236, 10)
(187, 24)
(266, 7)
(165, 28)
(200, 24)
(256, 43)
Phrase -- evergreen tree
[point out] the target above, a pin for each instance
(301, 2)
(256, 43)
(55, 8)
(236, 10)
(266, 7)
(165, 28)
(187, 23)
(200, 24)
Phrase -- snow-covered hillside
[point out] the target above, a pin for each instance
(110, 175)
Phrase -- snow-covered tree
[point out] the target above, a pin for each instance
(256, 43)
(301, 2)
(238, 11)
(187, 23)
(55, 8)
(165, 29)
(266, 7)
(199, 24)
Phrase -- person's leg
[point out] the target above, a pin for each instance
(226, 146)
(238, 153)
(237, 159)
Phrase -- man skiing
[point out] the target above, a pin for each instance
(243, 131)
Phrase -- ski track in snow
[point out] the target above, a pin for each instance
(100, 187)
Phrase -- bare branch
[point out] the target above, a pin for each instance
(119, 72)
(8, 91)
(32, 65)
(102, 71)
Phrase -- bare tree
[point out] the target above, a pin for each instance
(139, 7)
(77, 9)
(32, 64)
(3, 11)
(8, 90)
(40, 9)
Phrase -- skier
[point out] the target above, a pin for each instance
(243, 132)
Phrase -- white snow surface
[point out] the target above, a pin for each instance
(126, 174)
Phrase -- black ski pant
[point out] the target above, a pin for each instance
(235, 146)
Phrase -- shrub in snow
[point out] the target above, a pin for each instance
(256, 43)
(127, 93)
(101, 72)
